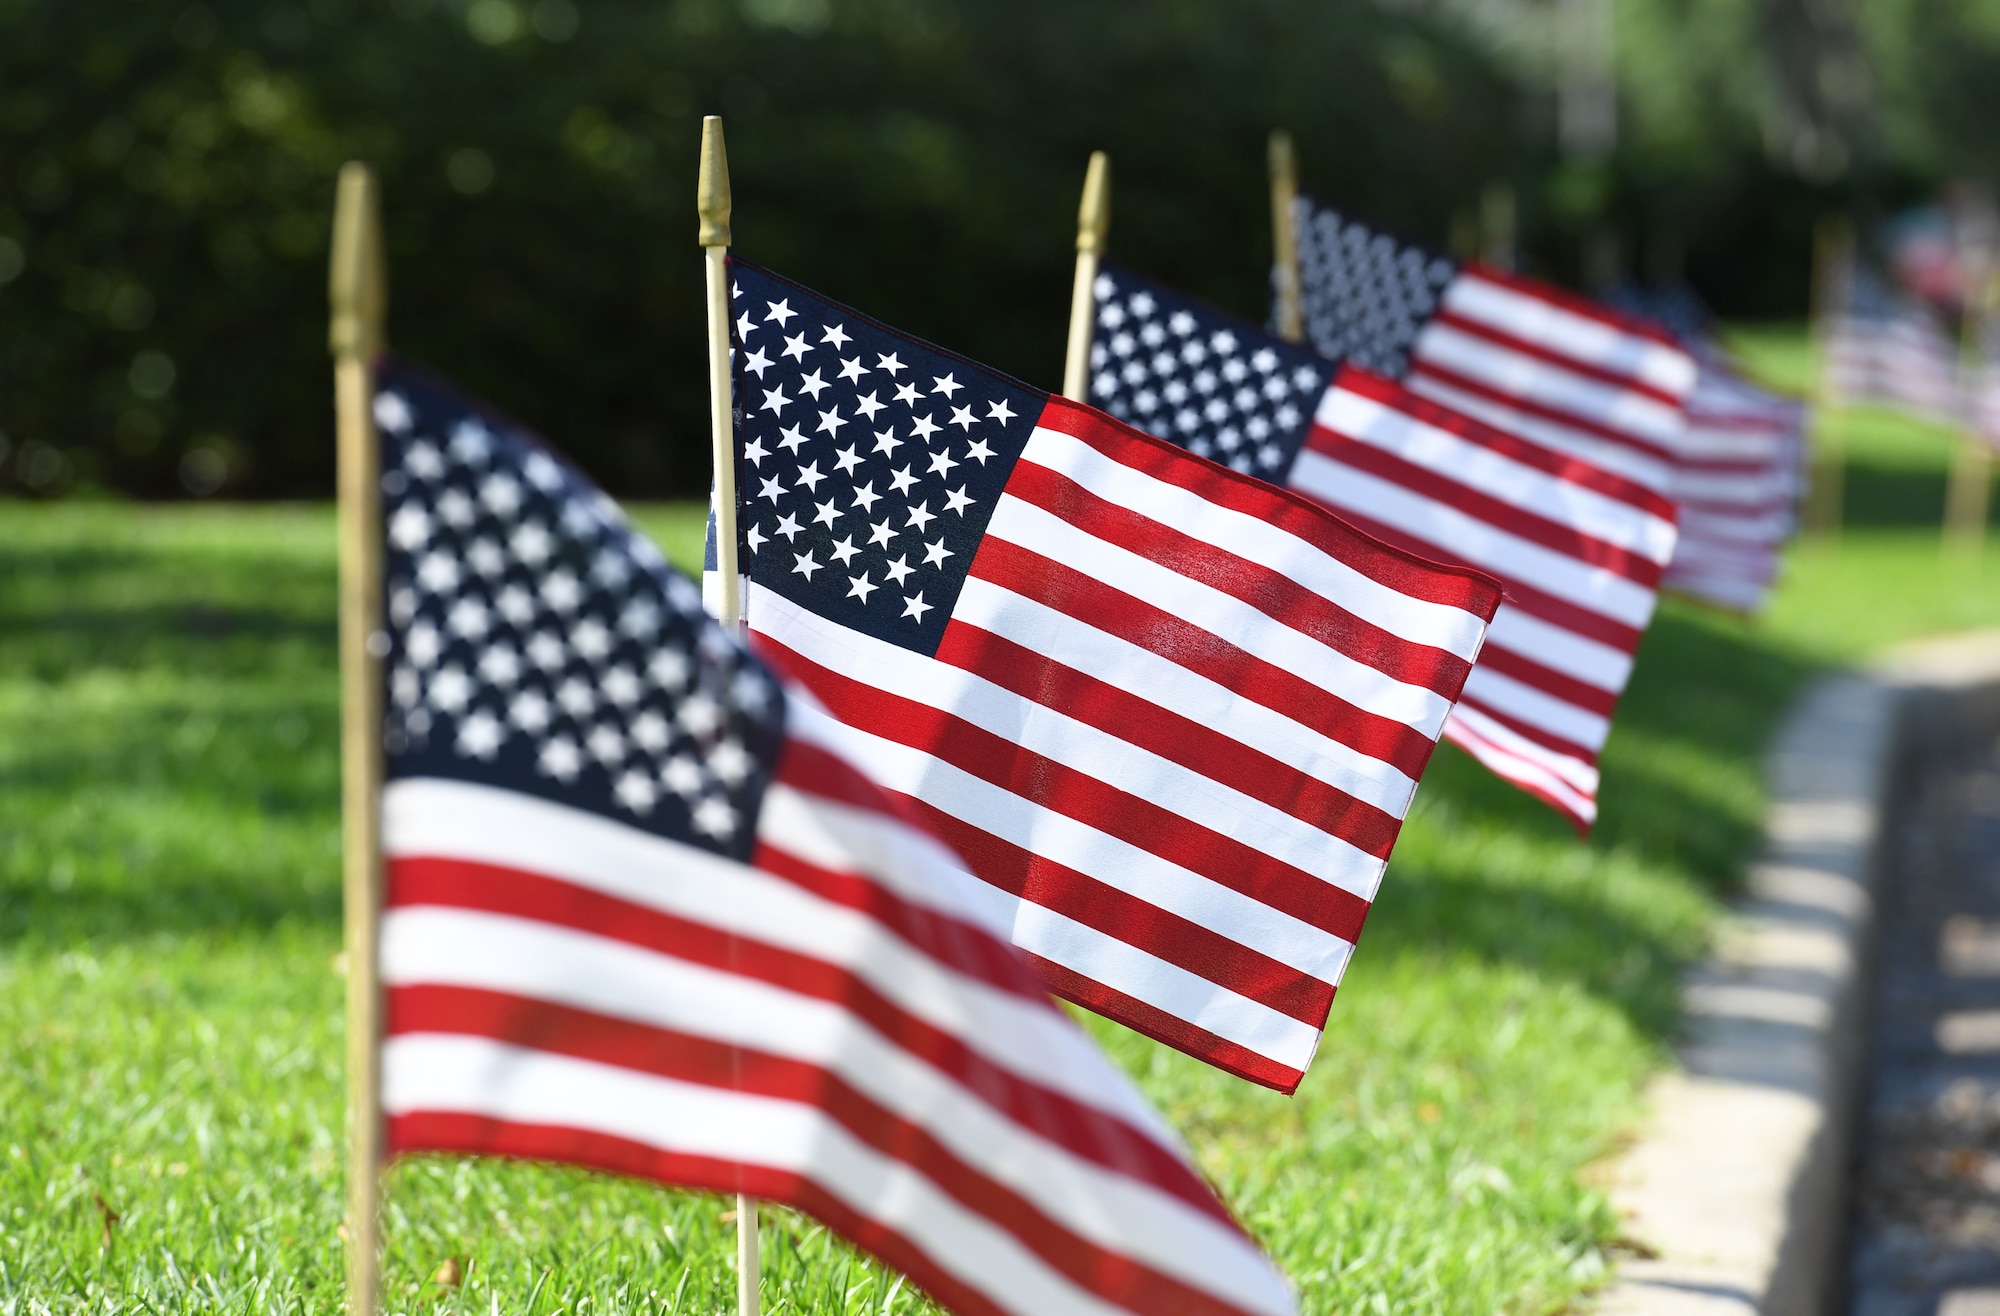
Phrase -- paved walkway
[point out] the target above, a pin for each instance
(1926, 1229)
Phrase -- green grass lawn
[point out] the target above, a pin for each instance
(170, 1007)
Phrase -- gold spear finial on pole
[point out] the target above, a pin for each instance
(712, 202)
(1289, 311)
(358, 290)
(1093, 224)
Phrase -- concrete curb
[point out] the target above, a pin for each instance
(1737, 1184)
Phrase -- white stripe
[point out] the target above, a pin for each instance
(540, 961)
(423, 1072)
(1502, 753)
(1543, 382)
(1559, 329)
(1465, 538)
(1467, 462)
(1417, 620)
(1516, 630)
(1225, 616)
(427, 817)
(1618, 458)
(1538, 708)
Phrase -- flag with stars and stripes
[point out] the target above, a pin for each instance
(642, 915)
(1554, 369)
(1884, 348)
(1578, 549)
(1172, 716)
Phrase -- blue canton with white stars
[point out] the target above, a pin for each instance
(1188, 373)
(1365, 295)
(869, 463)
(536, 642)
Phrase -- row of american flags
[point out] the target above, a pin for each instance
(1121, 700)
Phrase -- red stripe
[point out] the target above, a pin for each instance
(1557, 685)
(1169, 1029)
(1508, 338)
(1116, 711)
(1501, 763)
(1061, 789)
(1609, 316)
(1424, 368)
(1088, 1133)
(1451, 495)
(1537, 735)
(1406, 573)
(1200, 651)
(1118, 1278)
(1571, 470)
(1272, 593)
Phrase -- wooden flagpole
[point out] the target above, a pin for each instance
(1969, 490)
(357, 288)
(712, 204)
(1093, 222)
(1285, 285)
(1833, 255)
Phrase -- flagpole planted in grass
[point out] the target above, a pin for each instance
(712, 203)
(1833, 256)
(1093, 222)
(1290, 315)
(358, 291)
(1969, 491)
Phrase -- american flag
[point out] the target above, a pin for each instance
(1982, 383)
(1578, 549)
(1554, 369)
(1887, 349)
(642, 915)
(1172, 716)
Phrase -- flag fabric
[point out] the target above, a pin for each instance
(1172, 716)
(1887, 349)
(1578, 549)
(642, 915)
(1982, 380)
(1557, 370)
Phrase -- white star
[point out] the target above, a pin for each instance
(640, 620)
(668, 668)
(902, 480)
(865, 497)
(999, 411)
(1265, 360)
(826, 514)
(770, 488)
(714, 817)
(844, 550)
(546, 651)
(757, 362)
(789, 527)
(809, 476)
(635, 792)
(835, 334)
(782, 312)
(576, 698)
(755, 537)
(805, 565)
(830, 422)
(948, 386)
(650, 732)
(887, 442)
(730, 762)
(530, 712)
(561, 590)
(621, 687)
(923, 427)
(469, 618)
(561, 759)
(956, 501)
(852, 370)
(480, 735)
(700, 714)
(755, 452)
(845, 460)
(486, 558)
(790, 439)
(775, 401)
(860, 587)
(531, 544)
(745, 326)
(500, 665)
(814, 385)
(796, 348)
(888, 363)
(409, 528)
(961, 417)
(941, 462)
(423, 461)
(979, 451)
(921, 517)
(868, 406)
(682, 776)
(879, 533)
(455, 508)
(908, 393)
(392, 413)
(605, 745)
(935, 554)
(899, 569)
(914, 607)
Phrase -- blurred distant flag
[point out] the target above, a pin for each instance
(1544, 365)
(643, 916)
(1174, 717)
(1885, 348)
(1982, 382)
(1578, 549)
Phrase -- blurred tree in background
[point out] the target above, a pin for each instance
(166, 177)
